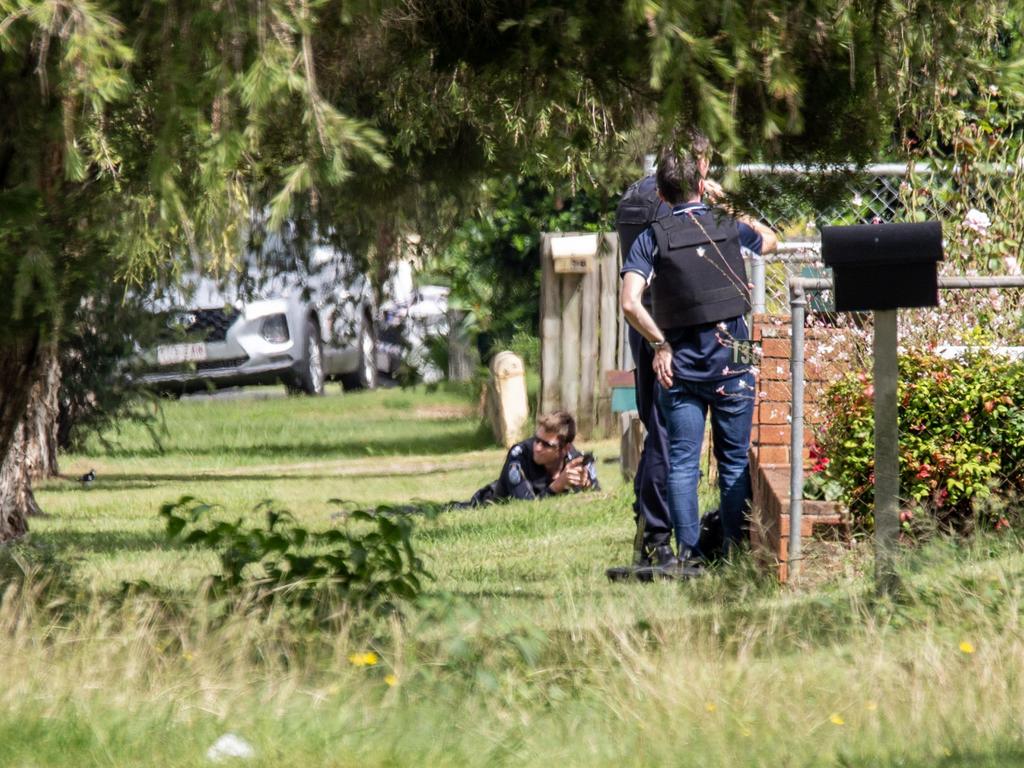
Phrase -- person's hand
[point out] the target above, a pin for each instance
(573, 475)
(663, 365)
(713, 191)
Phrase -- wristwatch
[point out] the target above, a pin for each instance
(657, 345)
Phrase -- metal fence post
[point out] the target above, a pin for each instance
(887, 468)
(757, 278)
(797, 303)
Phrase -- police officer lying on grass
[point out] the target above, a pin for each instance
(543, 465)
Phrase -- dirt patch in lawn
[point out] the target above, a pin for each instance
(444, 412)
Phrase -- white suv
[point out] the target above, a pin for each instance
(301, 325)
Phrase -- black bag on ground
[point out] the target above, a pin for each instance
(712, 537)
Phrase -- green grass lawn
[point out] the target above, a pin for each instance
(520, 653)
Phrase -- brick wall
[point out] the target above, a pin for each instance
(772, 432)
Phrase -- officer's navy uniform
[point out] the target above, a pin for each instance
(698, 300)
(524, 478)
(639, 207)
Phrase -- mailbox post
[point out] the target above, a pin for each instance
(884, 267)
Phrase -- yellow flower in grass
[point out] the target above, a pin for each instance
(837, 719)
(710, 706)
(966, 646)
(367, 659)
(871, 706)
(391, 680)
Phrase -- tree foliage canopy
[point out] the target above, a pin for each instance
(143, 131)
(158, 126)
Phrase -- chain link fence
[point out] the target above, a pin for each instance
(961, 388)
(797, 200)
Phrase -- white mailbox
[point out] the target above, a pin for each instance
(574, 254)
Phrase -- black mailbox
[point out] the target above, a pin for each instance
(883, 266)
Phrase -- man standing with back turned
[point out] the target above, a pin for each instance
(693, 261)
(638, 208)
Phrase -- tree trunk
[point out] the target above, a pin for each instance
(20, 361)
(39, 427)
(16, 498)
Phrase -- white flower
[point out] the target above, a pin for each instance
(230, 745)
(978, 221)
(857, 199)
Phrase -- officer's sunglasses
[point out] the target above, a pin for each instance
(550, 444)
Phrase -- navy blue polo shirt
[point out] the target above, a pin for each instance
(699, 352)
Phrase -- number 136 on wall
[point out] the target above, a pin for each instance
(746, 352)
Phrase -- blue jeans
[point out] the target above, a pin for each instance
(650, 483)
(684, 409)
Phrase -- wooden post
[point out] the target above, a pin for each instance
(570, 369)
(589, 289)
(581, 337)
(460, 353)
(608, 264)
(507, 406)
(551, 329)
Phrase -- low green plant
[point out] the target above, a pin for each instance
(368, 564)
(961, 426)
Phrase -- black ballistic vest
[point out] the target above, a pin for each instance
(638, 209)
(701, 277)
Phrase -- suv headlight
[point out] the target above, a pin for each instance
(274, 329)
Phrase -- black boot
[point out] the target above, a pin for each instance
(662, 557)
(652, 561)
(665, 565)
(691, 559)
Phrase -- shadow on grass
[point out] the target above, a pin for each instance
(65, 544)
(472, 438)
(477, 594)
(148, 480)
(998, 755)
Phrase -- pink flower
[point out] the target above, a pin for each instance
(978, 221)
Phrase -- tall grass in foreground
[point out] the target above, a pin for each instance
(521, 653)
(741, 674)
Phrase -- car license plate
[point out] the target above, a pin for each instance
(171, 354)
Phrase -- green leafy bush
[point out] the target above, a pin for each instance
(367, 564)
(961, 447)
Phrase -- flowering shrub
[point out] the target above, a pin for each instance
(961, 447)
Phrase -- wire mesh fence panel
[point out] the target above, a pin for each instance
(797, 201)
